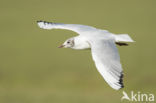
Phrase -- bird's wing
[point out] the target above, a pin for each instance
(80, 29)
(107, 61)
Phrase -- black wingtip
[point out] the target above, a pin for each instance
(45, 22)
(39, 21)
(121, 81)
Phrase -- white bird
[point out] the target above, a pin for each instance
(103, 48)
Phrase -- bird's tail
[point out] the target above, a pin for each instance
(123, 38)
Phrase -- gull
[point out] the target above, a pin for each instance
(102, 44)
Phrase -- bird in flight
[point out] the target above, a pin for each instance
(103, 48)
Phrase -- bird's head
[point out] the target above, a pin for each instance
(69, 43)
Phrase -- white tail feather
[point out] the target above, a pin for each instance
(123, 37)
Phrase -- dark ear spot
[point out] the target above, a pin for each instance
(68, 42)
(73, 42)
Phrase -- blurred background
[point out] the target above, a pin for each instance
(34, 70)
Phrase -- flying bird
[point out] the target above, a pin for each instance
(103, 48)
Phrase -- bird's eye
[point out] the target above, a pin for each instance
(68, 42)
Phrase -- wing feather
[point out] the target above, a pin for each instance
(107, 61)
(80, 29)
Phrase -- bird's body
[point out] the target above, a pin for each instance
(103, 48)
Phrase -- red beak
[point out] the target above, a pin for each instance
(61, 46)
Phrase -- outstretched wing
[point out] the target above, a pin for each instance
(107, 60)
(80, 29)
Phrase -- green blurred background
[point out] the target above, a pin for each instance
(34, 70)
